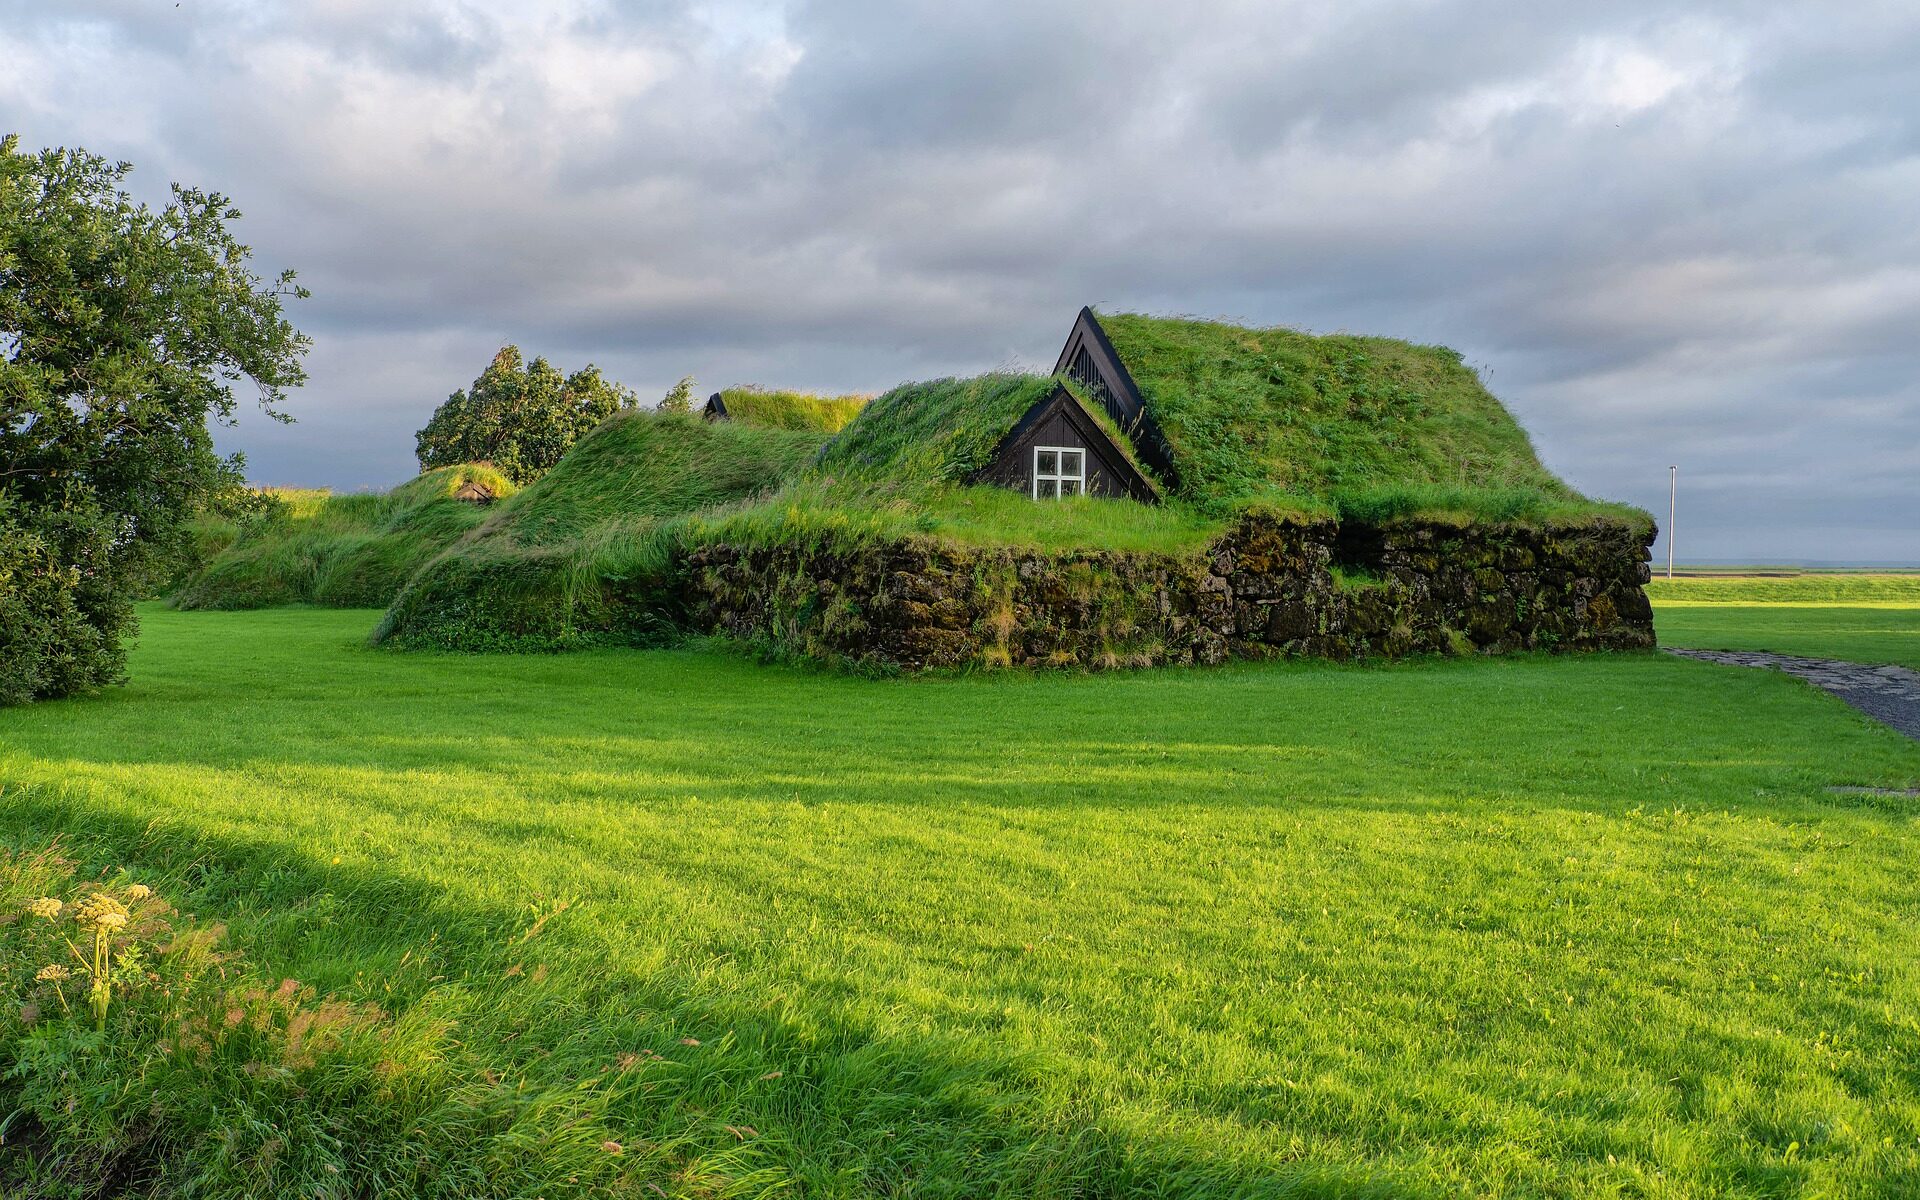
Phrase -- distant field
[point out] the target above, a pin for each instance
(1809, 588)
(1860, 617)
(1583, 926)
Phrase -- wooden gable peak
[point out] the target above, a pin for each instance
(1089, 358)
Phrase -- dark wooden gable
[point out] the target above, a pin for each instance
(1090, 358)
(716, 409)
(1059, 420)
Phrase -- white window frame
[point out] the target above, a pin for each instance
(1060, 477)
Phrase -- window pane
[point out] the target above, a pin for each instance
(1070, 462)
(1069, 487)
(1049, 488)
(1049, 464)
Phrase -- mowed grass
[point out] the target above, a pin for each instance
(1859, 618)
(1532, 927)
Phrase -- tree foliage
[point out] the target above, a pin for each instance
(124, 330)
(679, 397)
(521, 417)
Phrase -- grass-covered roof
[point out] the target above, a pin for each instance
(774, 409)
(1248, 412)
(938, 430)
(944, 430)
(641, 463)
(311, 546)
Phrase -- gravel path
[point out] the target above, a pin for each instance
(1888, 694)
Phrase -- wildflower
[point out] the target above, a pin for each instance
(100, 911)
(46, 906)
(52, 973)
(137, 892)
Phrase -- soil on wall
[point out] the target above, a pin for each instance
(1270, 586)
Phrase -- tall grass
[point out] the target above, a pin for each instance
(942, 430)
(342, 551)
(646, 464)
(771, 408)
(1455, 504)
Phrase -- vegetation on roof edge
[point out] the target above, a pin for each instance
(773, 408)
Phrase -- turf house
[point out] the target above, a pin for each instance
(1330, 495)
(1178, 491)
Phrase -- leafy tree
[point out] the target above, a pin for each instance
(123, 331)
(521, 418)
(679, 397)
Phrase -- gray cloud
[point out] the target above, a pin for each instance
(1664, 236)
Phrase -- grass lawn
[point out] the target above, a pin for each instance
(1532, 927)
(1860, 618)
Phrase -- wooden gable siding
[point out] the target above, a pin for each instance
(1089, 358)
(1059, 420)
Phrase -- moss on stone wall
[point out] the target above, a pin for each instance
(1271, 586)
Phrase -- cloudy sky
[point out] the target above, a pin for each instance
(1665, 233)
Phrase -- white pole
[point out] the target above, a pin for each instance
(1673, 495)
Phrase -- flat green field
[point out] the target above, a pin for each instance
(1861, 618)
(1583, 926)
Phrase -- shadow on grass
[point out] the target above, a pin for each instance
(752, 1092)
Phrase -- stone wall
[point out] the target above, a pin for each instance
(1270, 586)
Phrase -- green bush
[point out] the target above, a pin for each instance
(58, 636)
(125, 329)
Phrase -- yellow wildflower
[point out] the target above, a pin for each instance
(137, 892)
(46, 906)
(100, 911)
(52, 973)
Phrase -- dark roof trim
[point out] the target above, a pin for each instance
(1121, 395)
(716, 409)
(1138, 485)
(1087, 333)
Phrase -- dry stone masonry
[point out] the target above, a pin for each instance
(1271, 586)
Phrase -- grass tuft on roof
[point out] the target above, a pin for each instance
(771, 408)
